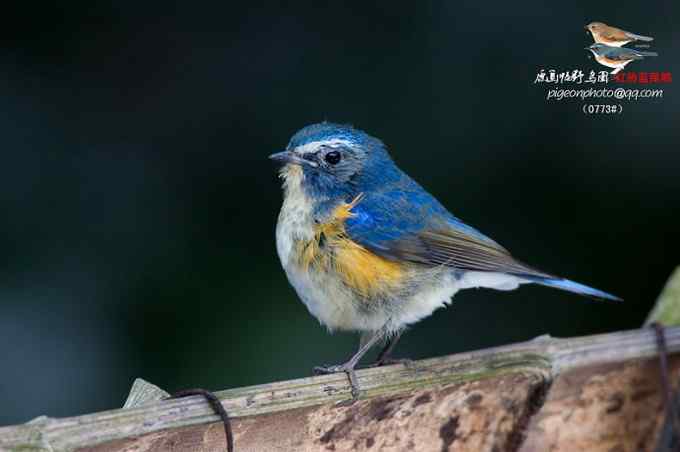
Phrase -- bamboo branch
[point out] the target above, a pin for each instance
(540, 361)
(666, 310)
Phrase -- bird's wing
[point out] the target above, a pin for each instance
(412, 226)
(637, 37)
(613, 34)
(623, 54)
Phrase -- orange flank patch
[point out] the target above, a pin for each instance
(610, 62)
(364, 271)
(331, 250)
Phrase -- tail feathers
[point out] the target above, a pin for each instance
(640, 37)
(644, 53)
(571, 286)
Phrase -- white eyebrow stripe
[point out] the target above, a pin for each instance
(314, 145)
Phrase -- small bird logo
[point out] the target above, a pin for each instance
(608, 48)
(617, 57)
(612, 36)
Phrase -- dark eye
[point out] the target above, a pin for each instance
(333, 157)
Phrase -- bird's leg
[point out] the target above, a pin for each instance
(348, 367)
(384, 358)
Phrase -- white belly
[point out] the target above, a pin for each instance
(323, 293)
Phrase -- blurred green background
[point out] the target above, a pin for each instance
(138, 205)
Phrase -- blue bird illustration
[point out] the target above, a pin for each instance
(367, 249)
(617, 57)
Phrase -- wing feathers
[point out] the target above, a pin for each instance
(412, 226)
(456, 249)
(639, 37)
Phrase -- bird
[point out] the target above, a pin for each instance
(368, 250)
(617, 57)
(613, 36)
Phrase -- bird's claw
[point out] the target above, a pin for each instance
(347, 368)
(325, 370)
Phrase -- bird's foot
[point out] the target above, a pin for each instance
(325, 370)
(347, 368)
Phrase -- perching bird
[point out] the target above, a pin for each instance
(617, 57)
(369, 250)
(613, 36)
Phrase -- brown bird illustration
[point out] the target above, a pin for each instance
(613, 36)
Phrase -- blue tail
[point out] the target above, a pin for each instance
(643, 53)
(571, 286)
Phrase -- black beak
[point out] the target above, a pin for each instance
(283, 157)
(290, 157)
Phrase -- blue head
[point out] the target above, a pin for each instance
(336, 161)
(599, 49)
